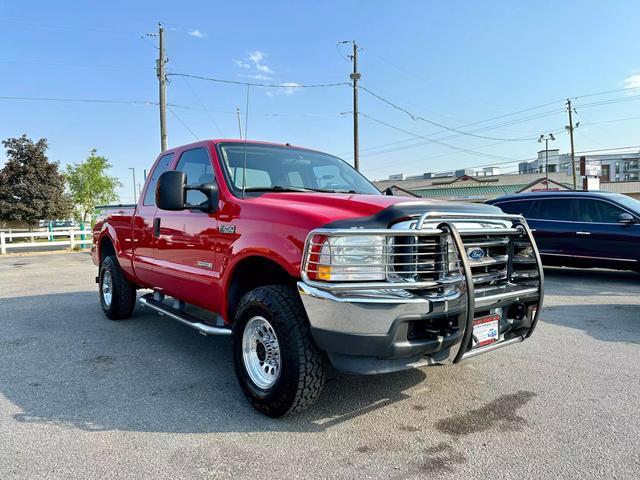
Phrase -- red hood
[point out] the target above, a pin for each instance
(322, 208)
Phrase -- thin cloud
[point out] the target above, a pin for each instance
(241, 63)
(254, 76)
(633, 81)
(257, 57)
(197, 33)
(290, 89)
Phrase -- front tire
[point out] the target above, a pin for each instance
(117, 294)
(279, 367)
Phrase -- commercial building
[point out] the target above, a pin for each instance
(620, 172)
(474, 189)
(616, 167)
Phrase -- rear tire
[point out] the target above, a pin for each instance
(117, 294)
(279, 367)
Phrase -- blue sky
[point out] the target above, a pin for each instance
(452, 63)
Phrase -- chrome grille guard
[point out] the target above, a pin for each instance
(445, 226)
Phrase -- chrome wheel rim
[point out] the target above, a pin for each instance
(107, 288)
(261, 352)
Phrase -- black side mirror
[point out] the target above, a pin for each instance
(171, 190)
(626, 218)
(211, 192)
(389, 191)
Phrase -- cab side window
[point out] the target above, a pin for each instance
(161, 167)
(197, 167)
(597, 211)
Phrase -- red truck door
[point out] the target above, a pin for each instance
(143, 224)
(184, 255)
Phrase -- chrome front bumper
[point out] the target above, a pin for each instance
(371, 329)
(365, 332)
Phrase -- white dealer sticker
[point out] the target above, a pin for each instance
(485, 330)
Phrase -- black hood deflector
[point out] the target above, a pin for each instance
(411, 209)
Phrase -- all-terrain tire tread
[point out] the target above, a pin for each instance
(284, 302)
(124, 292)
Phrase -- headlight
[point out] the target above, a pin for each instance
(350, 258)
(453, 267)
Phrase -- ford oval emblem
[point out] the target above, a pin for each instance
(475, 253)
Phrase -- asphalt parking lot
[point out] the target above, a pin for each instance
(84, 397)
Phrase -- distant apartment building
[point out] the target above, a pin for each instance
(484, 172)
(616, 167)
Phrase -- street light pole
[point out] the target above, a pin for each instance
(546, 139)
(133, 171)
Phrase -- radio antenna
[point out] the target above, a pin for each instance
(244, 163)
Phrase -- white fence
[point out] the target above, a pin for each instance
(58, 237)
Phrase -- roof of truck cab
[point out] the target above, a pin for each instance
(217, 141)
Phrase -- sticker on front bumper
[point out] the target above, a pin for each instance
(485, 330)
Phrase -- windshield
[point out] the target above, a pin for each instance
(286, 169)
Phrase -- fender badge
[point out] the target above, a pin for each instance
(227, 228)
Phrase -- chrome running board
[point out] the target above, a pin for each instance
(182, 317)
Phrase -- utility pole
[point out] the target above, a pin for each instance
(162, 82)
(355, 76)
(573, 153)
(239, 122)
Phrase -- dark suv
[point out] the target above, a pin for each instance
(581, 229)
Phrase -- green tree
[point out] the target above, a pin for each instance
(31, 187)
(90, 185)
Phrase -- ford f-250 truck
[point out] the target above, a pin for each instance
(302, 261)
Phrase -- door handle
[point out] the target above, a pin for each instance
(533, 230)
(156, 227)
(583, 233)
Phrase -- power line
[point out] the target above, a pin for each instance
(436, 124)
(154, 103)
(253, 84)
(204, 107)
(625, 89)
(81, 65)
(432, 157)
(68, 27)
(609, 102)
(438, 142)
(80, 100)
(528, 109)
(182, 122)
(490, 127)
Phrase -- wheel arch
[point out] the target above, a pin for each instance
(105, 248)
(252, 272)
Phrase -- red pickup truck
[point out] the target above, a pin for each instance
(302, 261)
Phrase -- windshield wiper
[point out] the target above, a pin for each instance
(280, 188)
